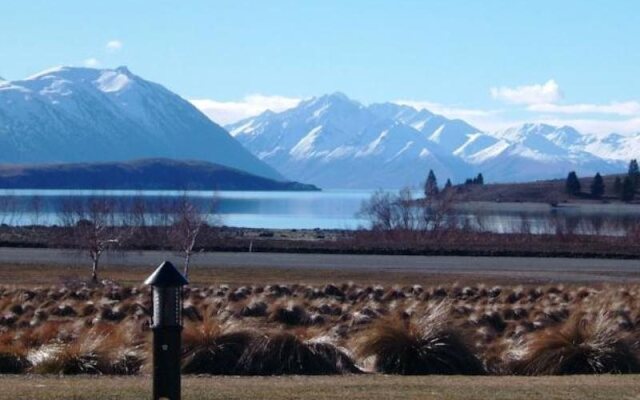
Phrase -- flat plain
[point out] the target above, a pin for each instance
(373, 387)
(55, 267)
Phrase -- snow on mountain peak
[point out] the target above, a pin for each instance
(334, 141)
(72, 114)
(113, 81)
(61, 79)
(47, 72)
(565, 137)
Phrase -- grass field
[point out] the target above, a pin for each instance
(482, 330)
(346, 387)
(29, 275)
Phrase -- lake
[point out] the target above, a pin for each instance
(328, 209)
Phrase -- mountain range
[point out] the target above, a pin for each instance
(85, 115)
(69, 114)
(334, 141)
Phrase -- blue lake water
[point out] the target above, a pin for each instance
(328, 209)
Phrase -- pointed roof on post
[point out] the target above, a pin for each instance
(166, 275)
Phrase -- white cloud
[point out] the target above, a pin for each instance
(92, 62)
(227, 112)
(545, 93)
(113, 46)
(625, 109)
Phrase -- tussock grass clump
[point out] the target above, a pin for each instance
(13, 363)
(208, 349)
(284, 353)
(102, 350)
(582, 345)
(289, 314)
(69, 359)
(255, 308)
(423, 347)
(13, 358)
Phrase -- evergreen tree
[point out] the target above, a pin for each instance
(480, 179)
(431, 185)
(448, 184)
(617, 186)
(597, 186)
(634, 173)
(628, 190)
(469, 181)
(572, 185)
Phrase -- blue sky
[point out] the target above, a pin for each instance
(494, 63)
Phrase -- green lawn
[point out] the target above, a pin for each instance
(369, 387)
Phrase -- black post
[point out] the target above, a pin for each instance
(166, 363)
(166, 285)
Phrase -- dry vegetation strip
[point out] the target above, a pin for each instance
(294, 329)
(30, 275)
(329, 388)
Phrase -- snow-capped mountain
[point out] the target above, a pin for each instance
(614, 146)
(337, 142)
(69, 114)
(333, 141)
(535, 151)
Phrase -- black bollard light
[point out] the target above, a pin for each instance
(166, 285)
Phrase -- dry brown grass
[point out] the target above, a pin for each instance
(34, 275)
(310, 329)
(209, 348)
(356, 387)
(423, 347)
(583, 344)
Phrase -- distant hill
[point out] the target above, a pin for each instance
(543, 191)
(148, 174)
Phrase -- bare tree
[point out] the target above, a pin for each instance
(138, 212)
(95, 230)
(188, 220)
(69, 211)
(9, 209)
(36, 206)
(406, 210)
(438, 212)
(4, 207)
(379, 210)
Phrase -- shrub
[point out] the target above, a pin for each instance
(424, 347)
(581, 345)
(101, 350)
(285, 353)
(289, 314)
(210, 350)
(66, 359)
(12, 360)
(255, 308)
